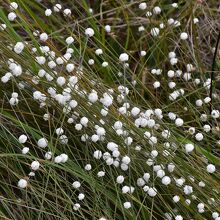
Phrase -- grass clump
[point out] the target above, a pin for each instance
(106, 110)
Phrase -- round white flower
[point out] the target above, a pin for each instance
(76, 206)
(127, 205)
(57, 7)
(67, 12)
(184, 36)
(156, 84)
(25, 150)
(143, 53)
(22, 139)
(59, 131)
(142, 6)
(64, 158)
(178, 217)
(48, 155)
(146, 177)
(215, 215)
(120, 179)
(199, 136)
(189, 148)
(22, 183)
(199, 102)
(160, 173)
(58, 159)
(91, 62)
(69, 40)
(176, 199)
(171, 167)
(70, 67)
(89, 32)
(126, 160)
(108, 28)
(155, 31)
(123, 57)
(13, 5)
(88, 167)
(152, 192)
(18, 48)
(63, 139)
(35, 165)
(141, 28)
(101, 174)
(100, 131)
(61, 80)
(175, 5)
(97, 154)
(188, 189)
(81, 196)
(48, 12)
(140, 182)
(84, 121)
(157, 10)
(11, 16)
(42, 142)
(179, 122)
(215, 114)
(78, 127)
(43, 37)
(172, 54)
(99, 51)
(93, 97)
(210, 168)
(166, 180)
(105, 64)
(154, 153)
(76, 184)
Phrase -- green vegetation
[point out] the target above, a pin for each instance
(106, 110)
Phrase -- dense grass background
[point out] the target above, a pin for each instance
(50, 194)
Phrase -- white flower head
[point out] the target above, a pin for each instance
(183, 36)
(42, 142)
(22, 139)
(35, 165)
(210, 168)
(123, 57)
(22, 183)
(89, 32)
(155, 31)
(189, 148)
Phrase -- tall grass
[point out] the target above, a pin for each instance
(132, 139)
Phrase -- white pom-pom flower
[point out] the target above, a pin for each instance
(22, 139)
(189, 148)
(89, 32)
(123, 57)
(210, 168)
(22, 183)
(35, 165)
(42, 142)
(183, 36)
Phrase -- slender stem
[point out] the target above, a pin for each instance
(83, 53)
(213, 71)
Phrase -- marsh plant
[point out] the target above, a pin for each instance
(109, 110)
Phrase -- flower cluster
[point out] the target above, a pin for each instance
(76, 134)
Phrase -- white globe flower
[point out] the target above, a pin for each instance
(155, 31)
(123, 57)
(22, 139)
(89, 32)
(22, 183)
(42, 142)
(210, 168)
(183, 36)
